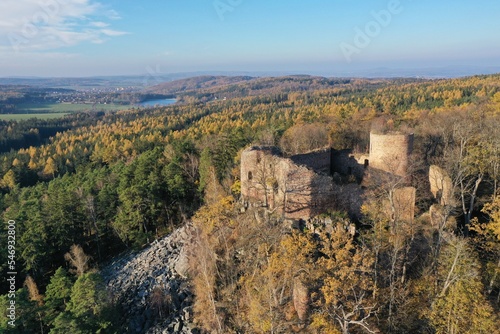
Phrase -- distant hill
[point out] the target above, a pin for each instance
(208, 87)
(196, 83)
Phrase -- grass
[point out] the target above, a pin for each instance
(22, 117)
(49, 110)
(38, 108)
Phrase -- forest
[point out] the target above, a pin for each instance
(88, 187)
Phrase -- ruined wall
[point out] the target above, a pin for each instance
(307, 193)
(319, 161)
(391, 152)
(262, 175)
(299, 190)
(301, 186)
(344, 162)
(349, 198)
(296, 191)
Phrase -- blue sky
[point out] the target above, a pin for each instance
(114, 37)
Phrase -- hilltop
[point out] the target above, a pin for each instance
(98, 184)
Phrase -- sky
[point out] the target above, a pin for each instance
(67, 38)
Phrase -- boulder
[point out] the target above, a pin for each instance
(182, 264)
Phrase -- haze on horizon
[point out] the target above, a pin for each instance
(123, 37)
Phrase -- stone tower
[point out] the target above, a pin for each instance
(391, 152)
(261, 174)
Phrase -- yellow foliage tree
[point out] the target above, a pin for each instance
(347, 292)
(268, 291)
(32, 164)
(490, 237)
(460, 306)
(213, 223)
(50, 167)
(9, 180)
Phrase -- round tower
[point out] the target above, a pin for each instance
(391, 152)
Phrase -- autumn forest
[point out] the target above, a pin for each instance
(91, 186)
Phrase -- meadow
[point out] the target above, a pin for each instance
(22, 117)
(50, 110)
(51, 107)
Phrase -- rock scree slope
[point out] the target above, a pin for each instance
(152, 288)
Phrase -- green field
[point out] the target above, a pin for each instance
(34, 108)
(55, 110)
(21, 117)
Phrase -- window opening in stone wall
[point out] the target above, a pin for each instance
(275, 186)
(250, 176)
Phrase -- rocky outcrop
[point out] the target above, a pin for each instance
(441, 218)
(300, 298)
(151, 286)
(403, 201)
(441, 185)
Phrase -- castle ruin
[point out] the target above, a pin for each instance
(303, 186)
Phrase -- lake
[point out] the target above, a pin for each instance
(154, 103)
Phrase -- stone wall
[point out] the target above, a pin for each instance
(344, 162)
(306, 193)
(297, 191)
(319, 161)
(263, 176)
(391, 152)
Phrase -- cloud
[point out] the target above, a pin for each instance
(44, 25)
(113, 15)
(112, 33)
(38, 55)
(99, 24)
